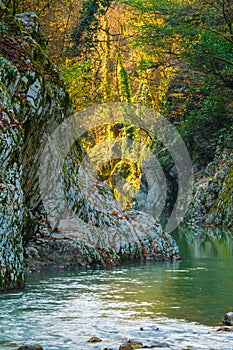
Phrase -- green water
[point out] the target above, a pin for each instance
(183, 299)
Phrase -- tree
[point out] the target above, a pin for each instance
(88, 24)
(200, 33)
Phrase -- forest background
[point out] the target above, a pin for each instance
(174, 56)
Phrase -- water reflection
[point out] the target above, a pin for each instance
(63, 310)
(205, 243)
(198, 288)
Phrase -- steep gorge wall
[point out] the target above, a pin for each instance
(11, 197)
(212, 202)
(99, 232)
(26, 98)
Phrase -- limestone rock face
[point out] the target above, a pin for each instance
(86, 226)
(213, 192)
(11, 197)
(212, 195)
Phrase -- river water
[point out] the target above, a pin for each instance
(180, 304)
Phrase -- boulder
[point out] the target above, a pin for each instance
(228, 319)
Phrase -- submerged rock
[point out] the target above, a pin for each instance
(94, 340)
(82, 225)
(30, 347)
(131, 344)
(149, 328)
(225, 329)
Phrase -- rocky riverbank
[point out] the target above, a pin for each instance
(98, 233)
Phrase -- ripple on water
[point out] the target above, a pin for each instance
(62, 312)
(183, 299)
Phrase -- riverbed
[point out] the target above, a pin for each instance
(180, 304)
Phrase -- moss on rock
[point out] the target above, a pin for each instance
(98, 233)
(213, 192)
(222, 211)
(11, 197)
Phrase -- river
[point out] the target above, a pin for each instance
(180, 304)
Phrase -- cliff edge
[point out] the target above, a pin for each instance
(33, 104)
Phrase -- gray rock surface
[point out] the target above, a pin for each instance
(213, 192)
(86, 226)
(228, 319)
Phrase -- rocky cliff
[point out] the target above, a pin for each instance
(212, 199)
(212, 194)
(98, 233)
